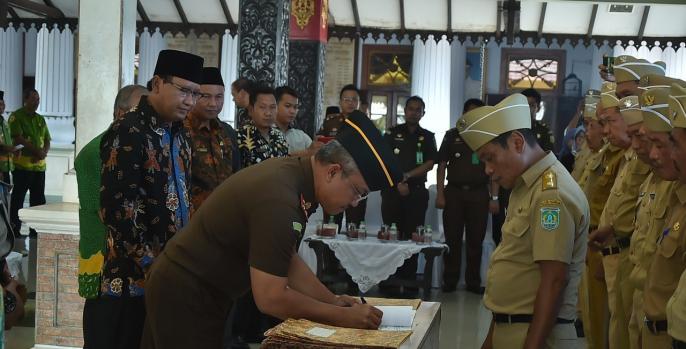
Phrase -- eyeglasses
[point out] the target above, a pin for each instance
(358, 195)
(184, 91)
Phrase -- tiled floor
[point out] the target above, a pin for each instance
(464, 323)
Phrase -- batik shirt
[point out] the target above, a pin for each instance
(255, 148)
(144, 195)
(215, 156)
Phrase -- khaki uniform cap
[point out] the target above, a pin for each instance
(608, 98)
(481, 125)
(652, 81)
(677, 106)
(590, 101)
(630, 110)
(628, 68)
(655, 107)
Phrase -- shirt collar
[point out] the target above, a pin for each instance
(307, 188)
(531, 175)
(152, 118)
(196, 123)
(681, 193)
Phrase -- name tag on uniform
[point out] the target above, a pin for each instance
(204, 150)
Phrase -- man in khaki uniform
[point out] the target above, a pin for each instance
(652, 205)
(668, 261)
(597, 187)
(628, 71)
(676, 306)
(596, 181)
(616, 223)
(534, 274)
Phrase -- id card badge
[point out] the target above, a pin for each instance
(419, 155)
(475, 159)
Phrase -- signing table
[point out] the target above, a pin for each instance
(371, 261)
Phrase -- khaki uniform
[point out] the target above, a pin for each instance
(665, 270)
(676, 311)
(619, 213)
(580, 161)
(597, 181)
(547, 220)
(653, 202)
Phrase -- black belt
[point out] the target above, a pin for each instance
(467, 187)
(622, 244)
(522, 318)
(655, 327)
(677, 344)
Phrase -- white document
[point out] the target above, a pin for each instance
(321, 332)
(396, 317)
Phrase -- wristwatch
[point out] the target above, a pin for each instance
(494, 198)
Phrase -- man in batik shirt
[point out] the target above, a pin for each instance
(259, 139)
(144, 195)
(214, 145)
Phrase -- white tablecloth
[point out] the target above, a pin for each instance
(371, 261)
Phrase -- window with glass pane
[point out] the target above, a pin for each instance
(540, 74)
(379, 111)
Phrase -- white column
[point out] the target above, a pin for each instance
(150, 46)
(55, 71)
(105, 62)
(11, 55)
(30, 41)
(229, 69)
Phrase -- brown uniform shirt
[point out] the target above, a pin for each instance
(253, 219)
(464, 167)
(547, 220)
(331, 125)
(620, 209)
(580, 161)
(412, 149)
(654, 198)
(676, 311)
(600, 178)
(669, 261)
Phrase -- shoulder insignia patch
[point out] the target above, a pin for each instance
(549, 180)
(297, 227)
(550, 218)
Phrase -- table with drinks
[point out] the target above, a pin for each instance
(372, 257)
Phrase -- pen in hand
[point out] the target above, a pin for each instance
(363, 300)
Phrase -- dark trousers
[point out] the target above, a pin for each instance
(352, 215)
(407, 212)
(182, 311)
(113, 323)
(466, 210)
(499, 219)
(32, 181)
(248, 322)
(6, 177)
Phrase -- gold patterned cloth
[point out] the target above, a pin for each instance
(307, 334)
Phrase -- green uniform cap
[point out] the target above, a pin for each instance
(481, 125)
(652, 81)
(608, 98)
(630, 110)
(677, 105)
(590, 101)
(628, 68)
(655, 107)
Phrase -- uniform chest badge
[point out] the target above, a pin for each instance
(399, 135)
(550, 218)
(457, 155)
(676, 226)
(305, 206)
(421, 138)
(396, 151)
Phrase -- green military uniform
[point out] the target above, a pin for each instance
(669, 261)
(6, 159)
(618, 214)
(547, 221)
(676, 306)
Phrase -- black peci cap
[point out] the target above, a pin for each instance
(180, 64)
(2, 95)
(360, 137)
(211, 76)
